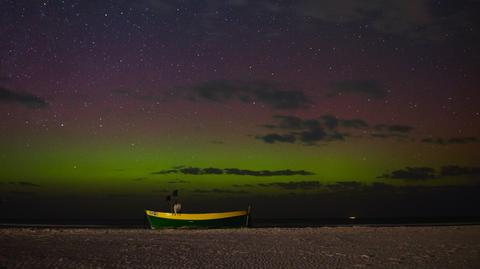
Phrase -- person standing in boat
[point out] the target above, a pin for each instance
(177, 207)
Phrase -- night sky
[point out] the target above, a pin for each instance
(299, 108)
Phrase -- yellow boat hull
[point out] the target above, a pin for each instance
(160, 220)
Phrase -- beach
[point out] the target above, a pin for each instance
(323, 247)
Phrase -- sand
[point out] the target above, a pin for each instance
(325, 247)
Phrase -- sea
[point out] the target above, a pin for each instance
(254, 222)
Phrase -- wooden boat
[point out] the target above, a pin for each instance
(160, 220)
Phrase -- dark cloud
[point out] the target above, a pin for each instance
(455, 170)
(191, 171)
(393, 15)
(424, 173)
(412, 173)
(412, 19)
(339, 186)
(326, 128)
(164, 172)
(330, 121)
(178, 181)
(293, 185)
(185, 170)
(421, 19)
(346, 186)
(233, 171)
(391, 131)
(395, 128)
(307, 131)
(381, 188)
(26, 99)
(272, 138)
(213, 171)
(293, 123)
(242, 185)
(449, 141)
(338, 136)
(220, 191)
(285, 172)
(265, 92)
(369, 88)
(312, 135)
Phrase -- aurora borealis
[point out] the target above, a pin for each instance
(300, 108)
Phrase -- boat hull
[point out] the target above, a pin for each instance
(161, 220)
